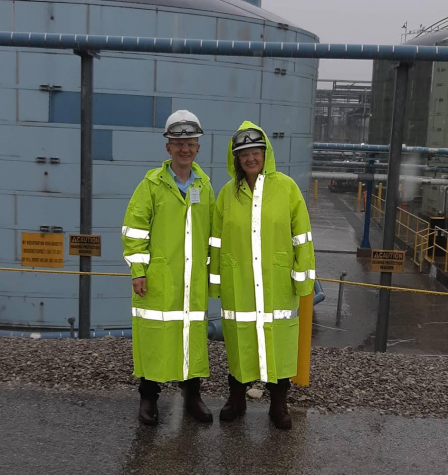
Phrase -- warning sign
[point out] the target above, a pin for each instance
(42, 250)
(387, 261)
(85, 245)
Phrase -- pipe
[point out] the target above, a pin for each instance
(125, 333)
(376, 177)
(319, 295)
(223, 47)
(350, 147)
(333, 164)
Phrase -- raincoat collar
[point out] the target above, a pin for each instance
(163, 174)
(269, 160)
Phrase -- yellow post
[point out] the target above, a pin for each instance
(305, 329)
(446, 256)
(407, 227)
(359, 191)
(316, 184)
(380, 196)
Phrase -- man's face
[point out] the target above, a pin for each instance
(252, 160)
(183, 151)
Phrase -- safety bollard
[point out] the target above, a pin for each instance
(316, 184)
(305, 330)
(71, 322)
(340, 296)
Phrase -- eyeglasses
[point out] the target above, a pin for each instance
(243, 137)
(180, 145)
(184, 128)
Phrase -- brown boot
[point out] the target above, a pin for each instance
(236, 403)
(278, 410)
(149, 413)
(193, 402)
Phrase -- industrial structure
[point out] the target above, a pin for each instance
(342, 111)
(426, 119)
(134, 94)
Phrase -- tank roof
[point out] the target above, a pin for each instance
(430, 39)
(228, 7)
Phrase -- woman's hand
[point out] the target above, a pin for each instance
(139, 285)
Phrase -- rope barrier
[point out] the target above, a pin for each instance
(333, 281)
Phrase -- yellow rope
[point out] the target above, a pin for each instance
(376, 286)
(334, 281)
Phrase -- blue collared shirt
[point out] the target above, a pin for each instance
(183, 186)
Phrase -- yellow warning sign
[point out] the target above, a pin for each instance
(85, 245)
(42, 250)
(387, 261)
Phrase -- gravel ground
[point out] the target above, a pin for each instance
(342, 380)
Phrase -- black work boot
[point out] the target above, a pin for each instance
(236, 403)
(193, 402)
(278, 410)
(149, 393)
(149, 413)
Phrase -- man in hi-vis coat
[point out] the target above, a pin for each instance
(166, 234)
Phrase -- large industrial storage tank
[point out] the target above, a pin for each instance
(134, 94)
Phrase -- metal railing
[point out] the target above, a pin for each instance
(408, 227)
(426, 246)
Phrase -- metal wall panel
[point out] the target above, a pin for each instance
(163, 109)
(125, 75)
(40, 210)
(29, 142)
(7, 207)
(6, 16)
(122, 21)
(204, 80)
(53, 69)
(108, 109)
(7, 238)
(219, 115)
(8, 105)
(33, 106)
(51, 17)
(286, 119)
(233, 30)
(282, 148)
(288, 88)
(45, 178)
(8, 68)
(102, 145)
(133, 146)
(220, 145)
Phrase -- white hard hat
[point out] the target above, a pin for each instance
(183, 124)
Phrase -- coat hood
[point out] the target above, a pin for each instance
(269, 161)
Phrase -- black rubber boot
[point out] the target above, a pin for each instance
(193, 402)
(149, 413)
(149, 393)
(236, 403)
(278, 410)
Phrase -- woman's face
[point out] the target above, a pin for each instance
(252, 160)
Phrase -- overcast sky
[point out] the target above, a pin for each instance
(357, 21)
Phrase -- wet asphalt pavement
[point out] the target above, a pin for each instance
(98, 433)
(418, 323)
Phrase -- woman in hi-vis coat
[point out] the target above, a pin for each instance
(262, 261)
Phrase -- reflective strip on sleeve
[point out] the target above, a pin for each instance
(215, 279)
(166, 316)
(215, 242)
(208, 261)
(302, 239)
(137, 259)
(302, 276)
(134, 233)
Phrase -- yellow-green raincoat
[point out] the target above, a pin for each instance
(166, 239)
(262, 261)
